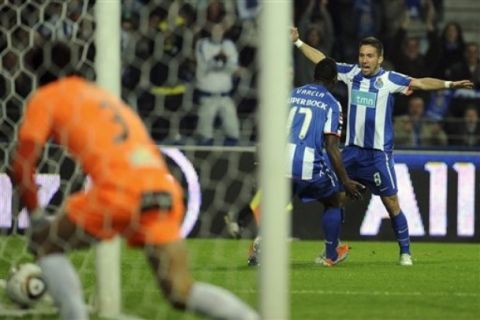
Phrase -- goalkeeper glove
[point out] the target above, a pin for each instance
(38, 220)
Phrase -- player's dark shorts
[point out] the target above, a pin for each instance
(373, 168)
(319, 188)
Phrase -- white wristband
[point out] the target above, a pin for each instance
(298, 43)
(448, 84)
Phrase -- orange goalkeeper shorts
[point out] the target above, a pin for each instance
(106, 210)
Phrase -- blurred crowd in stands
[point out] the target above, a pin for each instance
(190, 67)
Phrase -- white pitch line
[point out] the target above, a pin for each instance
(375, 293)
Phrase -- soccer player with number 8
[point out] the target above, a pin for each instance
(369, 141)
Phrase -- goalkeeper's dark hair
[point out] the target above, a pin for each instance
(54, 60)
(326, 71)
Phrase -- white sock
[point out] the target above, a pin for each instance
(218, 303)
(64, 286)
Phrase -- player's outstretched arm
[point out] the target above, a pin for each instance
(311, 53)
(437, 84)
(353, 188)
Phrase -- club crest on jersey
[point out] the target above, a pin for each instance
(378, 83)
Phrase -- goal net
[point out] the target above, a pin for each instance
(159, 62)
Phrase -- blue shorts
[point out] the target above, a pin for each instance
(317, 189)
(373, 168)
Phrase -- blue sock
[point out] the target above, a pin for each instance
(332, 218)
(400, 227)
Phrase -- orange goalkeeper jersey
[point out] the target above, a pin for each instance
(102, 134)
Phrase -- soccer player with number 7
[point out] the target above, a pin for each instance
(367, 155)
(132, 194)
(315, 123)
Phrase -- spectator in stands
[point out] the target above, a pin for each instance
(174, 30)
(438, 104)
(345, 30)
(12, 69)
(55, 25)
(419, 10)
(10, 63)
(367, 17)
(303, 66)
(317, 25)
(414, 8)
(216, 12)
(217, 61)
(354, 19)
(132, 6)
(128, 34)
(446, 50)
(414, 129)
(467, 133)
(164, 44)
(406, 54)
(469, 67)
(408, 58)
(317, 17)
(187, 15)
(393, 13)
(248, 9)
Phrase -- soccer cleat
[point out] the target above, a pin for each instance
(342, 252)
(253, 261)
(406, 260)
(253, 252)
(323, 255)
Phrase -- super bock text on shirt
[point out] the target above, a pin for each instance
(308, 102)
(314, 112)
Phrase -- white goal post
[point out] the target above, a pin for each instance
(107, 66)
(275, 83)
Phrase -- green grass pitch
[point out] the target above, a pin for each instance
(444, 282)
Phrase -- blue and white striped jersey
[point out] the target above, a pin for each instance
(370, 105)
(313, 113)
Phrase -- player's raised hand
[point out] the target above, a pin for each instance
(294, 35)
(354, 189)
(462, 84)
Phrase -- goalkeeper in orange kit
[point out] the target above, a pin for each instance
(133, 194)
